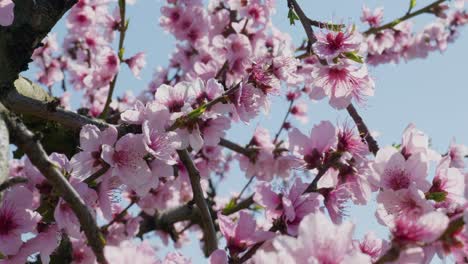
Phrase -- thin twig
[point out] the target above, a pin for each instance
(305, 21)
(211, 241)
(12, 182)
(122, 30)
(27, 142)
(284, 121)
(426, 9)
(118, 217)
(244, 204)
(248, 152)
(245, 187)
(97, 174)
(363, 130)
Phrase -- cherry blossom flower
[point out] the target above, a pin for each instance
(136, 63)
(243, 234)
(319, 241)
(218, 256)
(6, 12)
(372, 18)
(159, 143)
(288, 207)
(426, 228)
(128, 252)
(392, 171)
(88, 161)
(45, 242)
(127, 162)
(16, 218)
(341, 83)
(373, 246)
(322, 139)
(331, 44)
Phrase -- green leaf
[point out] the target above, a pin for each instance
(292, 16)
(232, 203)
(354, 57)
(412, 4)
(436, 196)
(196, 113)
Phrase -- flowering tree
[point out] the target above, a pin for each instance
(94, 185)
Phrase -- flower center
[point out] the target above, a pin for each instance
(335, 42)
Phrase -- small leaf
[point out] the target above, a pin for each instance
(436, 196)
(230, 205)
(354, 57)
(412, 4)
(292, 16)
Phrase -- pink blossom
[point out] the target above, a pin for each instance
(136, 63)
(331, 44)
(243, 234)
(45, 242)
(16, 219)
(372, 18)
(218, 256)
(127, 162)
(426, 228)
(319, 241)
(176, 258)
(322, 138)
(457, 153)
(409, 203)
(177, 98)
(128, 252)
(64, 215)
(373, 246)
(290, 207)
(393, 171)
(159, 143)
(449, 185)
(88, 161)
(341, 83)
(6, 12)
(415, 141)
(248, 101)
(380, 41)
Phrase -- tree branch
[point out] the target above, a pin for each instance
(248, 152)
(33, 21)
(363, 130)
(305, 21)
(211, 241)
(21, 104)
(426, 9)
(165, 219)
(12, 182)
(27, 142)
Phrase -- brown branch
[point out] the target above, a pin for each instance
(12, 182)
(244, 204)
(248, 152)
(305, 21)
(122, 29)
(33, 20)
(27, 142)
(211, 241)
(21, 104)
(363, 130)
(166, 219)
(426, 9)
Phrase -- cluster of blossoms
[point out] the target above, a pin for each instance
(229, 61)
(391, 45)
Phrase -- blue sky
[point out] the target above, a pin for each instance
(431, 93)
